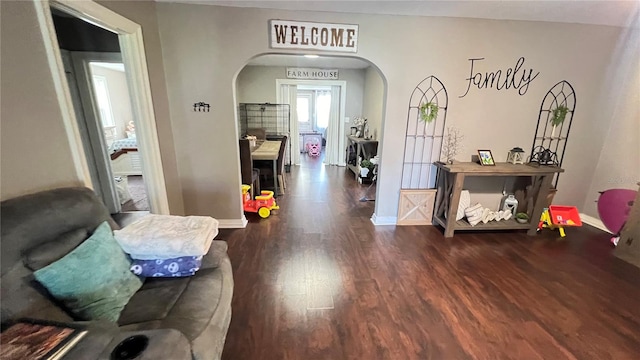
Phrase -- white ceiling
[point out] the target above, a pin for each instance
(602, 12)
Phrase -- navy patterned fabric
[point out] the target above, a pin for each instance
(175, 267)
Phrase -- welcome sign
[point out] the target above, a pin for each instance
(286, 34)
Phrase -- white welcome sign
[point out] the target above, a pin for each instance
(286, 34)
(312, 74)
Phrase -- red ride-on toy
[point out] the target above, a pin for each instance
(558, 217)
(263, 204)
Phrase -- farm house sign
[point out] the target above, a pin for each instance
(312, 74)
(286, 34)
(515, 77)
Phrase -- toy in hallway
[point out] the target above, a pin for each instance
(558, 217)
(313, 148)
(263, 203)
(614, 206)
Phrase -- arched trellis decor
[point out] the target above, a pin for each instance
(423, 140)
(549, 141)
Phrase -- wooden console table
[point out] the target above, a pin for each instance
(450, 181)
(363, 148)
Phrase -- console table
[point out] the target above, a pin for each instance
(450, 180)
(362, 147)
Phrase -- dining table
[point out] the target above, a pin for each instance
(268, 150)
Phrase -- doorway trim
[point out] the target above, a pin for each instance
(343, 99)
(134, 59)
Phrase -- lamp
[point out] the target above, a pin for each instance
(515, 156)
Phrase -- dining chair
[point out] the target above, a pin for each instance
(266, 167)
(250, 175)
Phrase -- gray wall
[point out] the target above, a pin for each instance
(618, 165)
(35, 150)
(196, 40)
(373, 104)
(257, 84)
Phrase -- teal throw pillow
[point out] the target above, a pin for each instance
(93, 281)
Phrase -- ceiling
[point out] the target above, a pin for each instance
(602, 12)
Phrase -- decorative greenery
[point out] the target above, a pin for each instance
(428, 111)
(452, 144)
(522, 215)
(559, 113)
(366, 164)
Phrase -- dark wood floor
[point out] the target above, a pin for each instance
(318, 281)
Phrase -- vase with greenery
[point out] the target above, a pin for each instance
(452, 144)
(365, 167)
(557, 117)
(428, 111)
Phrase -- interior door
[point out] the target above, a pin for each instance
(100, 159)
(82, 125)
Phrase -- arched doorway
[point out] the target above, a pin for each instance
(358, 88)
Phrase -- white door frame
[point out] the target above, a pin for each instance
(134, 59)
(343, 99)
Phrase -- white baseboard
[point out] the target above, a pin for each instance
(233, 223)
(383, 220)
(595, 222)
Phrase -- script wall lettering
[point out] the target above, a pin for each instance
(516, 77)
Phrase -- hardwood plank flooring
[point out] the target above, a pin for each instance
(317, 280)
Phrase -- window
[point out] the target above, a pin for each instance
(102, 97)
(304, 108)
(314, 105)
(323, 106)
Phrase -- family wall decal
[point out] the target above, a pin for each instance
(516, 78)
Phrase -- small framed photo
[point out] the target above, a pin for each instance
(486, 159)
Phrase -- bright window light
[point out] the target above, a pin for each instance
(102, 97)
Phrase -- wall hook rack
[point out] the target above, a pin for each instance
(201, 106)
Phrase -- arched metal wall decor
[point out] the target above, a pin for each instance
(549, 143)
(423, 140)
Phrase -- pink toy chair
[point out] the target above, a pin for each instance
(313, 149)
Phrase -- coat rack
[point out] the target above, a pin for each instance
(201, 107)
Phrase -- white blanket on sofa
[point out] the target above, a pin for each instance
(167, 236)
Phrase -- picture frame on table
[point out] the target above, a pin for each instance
(486, 158)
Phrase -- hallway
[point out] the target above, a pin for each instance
(317, 280)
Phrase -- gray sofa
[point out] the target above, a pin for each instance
(183, 317)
